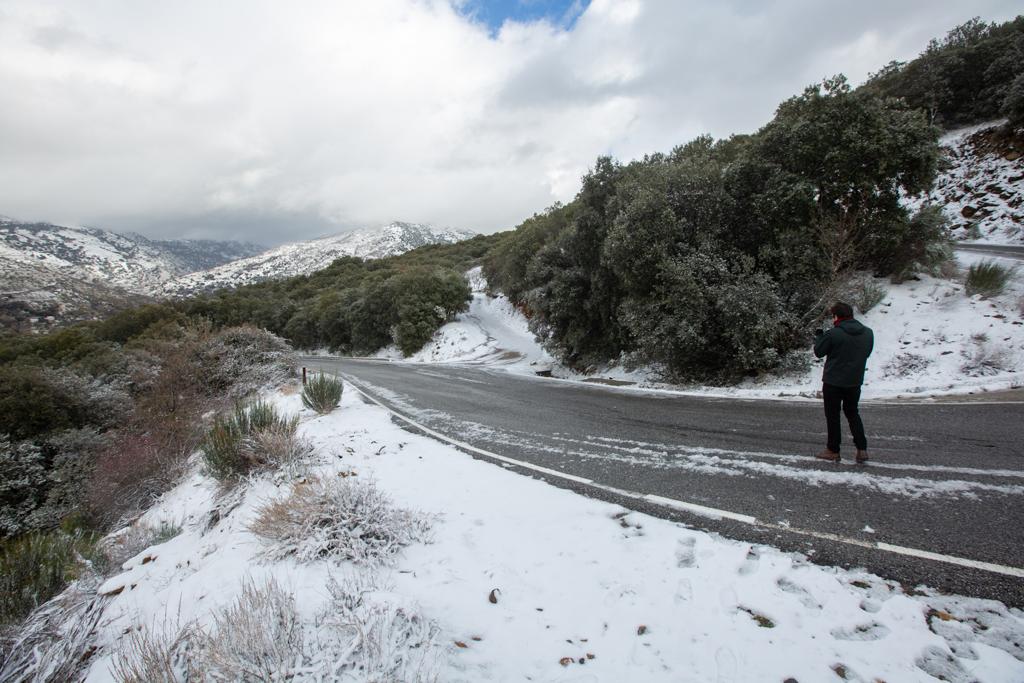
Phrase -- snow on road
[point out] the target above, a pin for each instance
(895, 479)
(583, 590)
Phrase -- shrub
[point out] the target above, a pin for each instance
(114, 550)
(252, 436)
(41, 482)
(280, 450)
(262, 636)
(140, 462)
(337, 517)
(869, 295)
(385, 641)
(986, 359)
(58, 640)
(906, 365)
(239, 360)
(987, 278)
(322, 393)
(222, 449)
(23, 484)
(259, 637)
(860, 289)
(153, 655)
(34, 568)
(33, 402)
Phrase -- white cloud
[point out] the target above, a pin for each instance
(269, 121)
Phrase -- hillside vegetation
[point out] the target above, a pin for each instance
(974, 74)
(713, 260)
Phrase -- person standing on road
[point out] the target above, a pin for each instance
(846, 348)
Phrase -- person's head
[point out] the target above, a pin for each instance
(841, 311)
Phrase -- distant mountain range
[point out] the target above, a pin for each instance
(122, 260)
(302, 258)
(53, 274)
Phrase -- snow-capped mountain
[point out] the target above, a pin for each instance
(125, 261)
(302, 258)
(53, 274)
(981, 188)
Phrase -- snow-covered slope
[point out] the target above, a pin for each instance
(982, 188)
(491, 332)
(521, 580)
(52, 275)
(302, 258)
(36, 298)
(124, 261)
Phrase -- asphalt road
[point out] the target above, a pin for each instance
(944, 478)
(1007, 251)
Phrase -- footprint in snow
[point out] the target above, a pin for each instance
(686, 555)
(869, 605)
(684, 592)
(871, 631)
(751, 562)
(802, 594)
(725, 661)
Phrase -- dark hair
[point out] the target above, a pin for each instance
(841, 310)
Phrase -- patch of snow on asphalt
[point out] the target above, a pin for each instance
(935, 480)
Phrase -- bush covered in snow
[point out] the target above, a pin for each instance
(322, 393)
(238, 360)
(153, 655)
(23, 484)
(41, 481)
(57, 641)
(338, 517)
(986, 358)
(262, 636)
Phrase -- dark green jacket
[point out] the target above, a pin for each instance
(847, 346)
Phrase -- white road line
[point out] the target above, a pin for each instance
(703, 510)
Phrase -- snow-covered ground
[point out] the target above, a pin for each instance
(525, 581)
(492, 332)
(931, 339)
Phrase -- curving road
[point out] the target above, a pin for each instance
(939, 504)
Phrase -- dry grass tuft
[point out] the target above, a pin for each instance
(340, 518)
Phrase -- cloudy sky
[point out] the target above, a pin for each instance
(271, 121)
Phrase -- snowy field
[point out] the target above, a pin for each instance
(519, 580)
(931, 339)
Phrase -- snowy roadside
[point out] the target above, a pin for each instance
(931, 339)
(524, 580)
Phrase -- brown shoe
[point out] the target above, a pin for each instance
(862, 457)
(826, 454)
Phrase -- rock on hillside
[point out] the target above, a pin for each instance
(982, 189)
(302, 258)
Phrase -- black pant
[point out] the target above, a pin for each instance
(845, 399)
